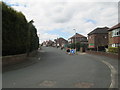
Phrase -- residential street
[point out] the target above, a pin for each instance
(53, 68)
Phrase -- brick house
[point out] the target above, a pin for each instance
(79, 38)
(98, 38)
(61, 42)
(114, 36)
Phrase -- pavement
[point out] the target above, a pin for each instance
(53, 68)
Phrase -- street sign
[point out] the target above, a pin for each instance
(72, 51)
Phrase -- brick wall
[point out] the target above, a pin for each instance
(110, 39)
(116, 39)
(14, 59)
(91, 40)
(110, 55)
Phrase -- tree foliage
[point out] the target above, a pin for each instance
(77, 45)
(15, 32)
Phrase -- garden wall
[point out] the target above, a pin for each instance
(14, 59)
(111, 55)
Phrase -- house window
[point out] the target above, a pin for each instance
(116, 32)
(113, 45)
(116, 45)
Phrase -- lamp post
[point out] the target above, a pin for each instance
(28, 41)
(75, 37)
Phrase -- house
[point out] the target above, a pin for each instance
(98, 38)
(78, 38)
(114, 36)
(61, 42)
(48, 43)
(44, 43)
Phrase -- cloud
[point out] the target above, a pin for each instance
(51, 15)
(46, 36)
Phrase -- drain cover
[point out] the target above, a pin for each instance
(83, 85)
(47, 83)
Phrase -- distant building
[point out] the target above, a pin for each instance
(114, 36)
(44, 43)
(48, 43)
(98, 38)
(79, 38)
(61, 42)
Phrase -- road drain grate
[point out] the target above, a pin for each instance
(47, 83)
(83, 85)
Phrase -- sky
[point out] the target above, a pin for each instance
(58, 18)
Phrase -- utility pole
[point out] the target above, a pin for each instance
(28, 38)
(75, 39)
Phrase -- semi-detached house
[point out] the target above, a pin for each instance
(114, 36)
(98, 38)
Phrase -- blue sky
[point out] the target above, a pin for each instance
(58, 18)
(90, 20)
(14, 4)
(60, 32)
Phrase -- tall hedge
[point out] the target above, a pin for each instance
(15, 32)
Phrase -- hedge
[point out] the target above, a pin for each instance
(15, 32)
(113, 49)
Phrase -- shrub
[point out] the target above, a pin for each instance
(78, 46)
(113, 49)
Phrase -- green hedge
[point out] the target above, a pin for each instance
(15, 32)
(113, 49)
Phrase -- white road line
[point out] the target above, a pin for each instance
(39, 58)
(113, 73)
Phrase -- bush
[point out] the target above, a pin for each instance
(15, 32)
(78, 46)
(113, 49)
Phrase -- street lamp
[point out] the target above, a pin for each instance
(28, 42)
(75, 37)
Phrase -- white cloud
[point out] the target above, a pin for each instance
(68, 14)
(46, 36)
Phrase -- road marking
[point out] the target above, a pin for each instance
(113, 73)
(84, 85)
(47, 83)
(39, 58)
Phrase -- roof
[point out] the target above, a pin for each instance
(60, 39)
(115, 27)
(77, 35)
(99, 31)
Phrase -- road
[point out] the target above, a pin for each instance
(53, 68)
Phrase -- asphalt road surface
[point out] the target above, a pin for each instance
(53, 68)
